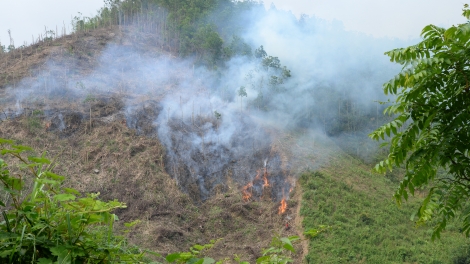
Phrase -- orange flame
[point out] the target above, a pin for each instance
(265, 178)
(283, 206)
(257, 175)
(246, 192)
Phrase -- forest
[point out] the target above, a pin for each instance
(219, 131)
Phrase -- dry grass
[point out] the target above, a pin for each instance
(114, 160)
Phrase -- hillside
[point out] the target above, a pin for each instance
(366, 225)
(106, 153)
(203, 144)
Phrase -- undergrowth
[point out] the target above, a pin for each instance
(54, 224)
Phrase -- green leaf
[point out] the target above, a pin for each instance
(449, 33)
(9, 151)
(46, 181)
(131, 224)
(287, 244)
(6, 141)
(198, 247)
(39, 160)
(44, 261)
(22, 148)
(208, 261)
(62, 253)
(173, 257)
(64, 197)
(54, 176)
(6, 253)
(71, 191)
(263, 259)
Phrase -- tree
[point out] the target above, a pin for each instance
(242, 93)
(208, 44)
(430, 134)
(260, 53)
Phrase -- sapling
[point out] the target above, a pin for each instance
(89, 99)
(11, 47)
(242, 93)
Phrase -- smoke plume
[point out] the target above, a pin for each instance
(224, 125)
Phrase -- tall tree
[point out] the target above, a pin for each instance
(430, 135)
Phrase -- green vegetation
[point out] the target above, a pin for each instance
(33, 120)
(366, 226)
(277, 252)
(187, 28)
(430, 134)
(193, 255)
(50, 223)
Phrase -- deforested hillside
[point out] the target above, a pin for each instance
(219, 120)
(104, 137)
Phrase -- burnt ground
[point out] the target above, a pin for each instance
(114, 160)
(248, 159)
(100, 149)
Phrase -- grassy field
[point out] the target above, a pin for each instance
(367, 226)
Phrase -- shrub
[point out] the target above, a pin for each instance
(54, 224)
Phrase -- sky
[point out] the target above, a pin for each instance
(402, 19)
(26, 18)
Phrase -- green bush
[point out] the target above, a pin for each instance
(54, 224)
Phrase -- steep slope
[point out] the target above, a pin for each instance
(103, 147)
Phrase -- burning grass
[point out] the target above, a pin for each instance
(202, 163)
(110, 158)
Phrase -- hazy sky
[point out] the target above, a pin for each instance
(28, 17)
(382, 18)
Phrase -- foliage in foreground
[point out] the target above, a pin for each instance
(431, 131)
(54, 224)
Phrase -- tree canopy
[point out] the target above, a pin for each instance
(430, 135)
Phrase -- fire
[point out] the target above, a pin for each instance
(258, 172)
(257, 182)
(265, 178)
(283, 206)
(246, 192)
